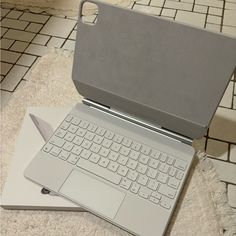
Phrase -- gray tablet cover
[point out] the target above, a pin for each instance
(161, 71)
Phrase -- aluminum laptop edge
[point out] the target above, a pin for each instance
(125, 88)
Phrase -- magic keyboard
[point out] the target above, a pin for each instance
(143, 170)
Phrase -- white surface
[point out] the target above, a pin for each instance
(20, 193)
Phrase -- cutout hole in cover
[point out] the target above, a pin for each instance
(89, 13)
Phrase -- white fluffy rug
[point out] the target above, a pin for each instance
(58, 7)
(202, 210)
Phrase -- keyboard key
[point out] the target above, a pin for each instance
(95, 148)
(163, 157)
(57, 141)
(154, 200)
(153, 163)
(81, 132)
(135, 187)
(113, 156)
(92, 128)
(106, 143)
(101, 172)
(69, 137)
(103, 162)
(179, 174)
(156, 195)
(60, 133)
(165, 203)
(170, 160)
(97, 139)
(94, 158)
(163, 167)
(86, 144)
(118, 138)
(76, 150)
(152, 184)
(69, 118)
(55, 151)
(141, 168)
(73, 158)
(113, 166)
(78, 140)
(152, 173)
(72, 128)
(134, 155)
(64, 155)
(172, 171)
(68, 146)
(143, 159)
(145, 150)
(85, 154)
(174, 183)
(180, 164)
(142, 179)
(127, 142)
(115, 147)
(89, 135)
(132, 164)
(75, 121)
(47, 147)
(155, 154)
(65, 125)
(100, 131)
(161, 177)
(136, 146)
(124, 151)
(104, 152)
(125, 183)
(144, 192)
(167, 191)
(84, 124)
(122, 170)
(122, 160)
(109, 134)
(132, 175)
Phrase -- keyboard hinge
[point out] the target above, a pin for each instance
(132, 119)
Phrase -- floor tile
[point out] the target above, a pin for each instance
(213, 3)
(41, 39)
(144, 2)
(232, 195)
(58, 27)
(9, 56)
(3, 31)
(147, 9)
(88, 19)
(215, 11)
(1, 77)
(6, 43)
(191, 18)
(26, 60)
(200, 9)
(178, 5)
(55, 42)
(223, 125)
(34, 27)
(157, 3)
(214, 19)
(5, 97)
(217, 149)
(234, 103)
(13, 77)
(31, 17)
(168, 12)
(73, 35)
(36, 49)
(69, 45)
(227, 98)
(213, 27)
(230, 5)
(229, 30)
(4, 12)
(19, 46)
(230, 17)
(19, 35)
(14, 24)
(5, 67)
(225, 170)
(14, 14)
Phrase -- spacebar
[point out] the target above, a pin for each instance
(99, 171)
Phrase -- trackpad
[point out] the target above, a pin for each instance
(92, 194)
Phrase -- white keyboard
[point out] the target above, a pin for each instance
(145, 171)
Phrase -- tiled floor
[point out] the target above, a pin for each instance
(27, 36)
